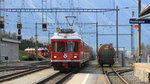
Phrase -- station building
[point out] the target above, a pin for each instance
(9, 50)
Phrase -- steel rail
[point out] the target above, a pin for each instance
(122, 71)
(106, 76)
(122, 79)
(43, 81)
(64, 78)
(21, 73)
(55, 75)
(28, 66)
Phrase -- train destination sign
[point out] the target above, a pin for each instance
(139, 21)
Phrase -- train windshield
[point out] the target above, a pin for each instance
(58, 46)
(72, 46)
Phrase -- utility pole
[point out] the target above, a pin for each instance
(44, 14)
(48, 37)
(139, 32)
(117, 54)
(36, 48)
(97, 38)
(132, 38)
(48, 42)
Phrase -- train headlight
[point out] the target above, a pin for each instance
(55, 57)
(75, 56)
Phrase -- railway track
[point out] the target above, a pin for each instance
(22, 73)
(57, 78)
(28, 66)
(119, 76)
(108, 77)
(14, 68)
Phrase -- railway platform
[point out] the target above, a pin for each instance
(82, 78)
(142, 71)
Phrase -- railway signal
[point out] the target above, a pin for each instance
(19, 26)
(2, 22)
(19, 37)
(19, 31)
(44, 27)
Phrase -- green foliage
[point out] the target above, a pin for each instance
(25, 56)
(29, 44)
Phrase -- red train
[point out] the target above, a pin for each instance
(41, 51)
(68, 50)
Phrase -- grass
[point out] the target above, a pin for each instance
(22, 53)
(28, 55)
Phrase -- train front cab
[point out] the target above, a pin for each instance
(66, 54)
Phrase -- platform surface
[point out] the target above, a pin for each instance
(142, 71)
(142, 65)
(86, 78)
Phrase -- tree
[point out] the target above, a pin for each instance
(29, 44)
(9, 35)
(14, 35)
(31, 39)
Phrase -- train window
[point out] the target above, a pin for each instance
(72, 46)
(58, 46)
(76, 47)
(42, 51)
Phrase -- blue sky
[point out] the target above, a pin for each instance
(29, 19)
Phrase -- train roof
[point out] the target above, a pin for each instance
(66, 36)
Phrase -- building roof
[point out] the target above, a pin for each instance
(10, 40)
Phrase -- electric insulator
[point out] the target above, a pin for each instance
(2, 22)
(57, 28)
